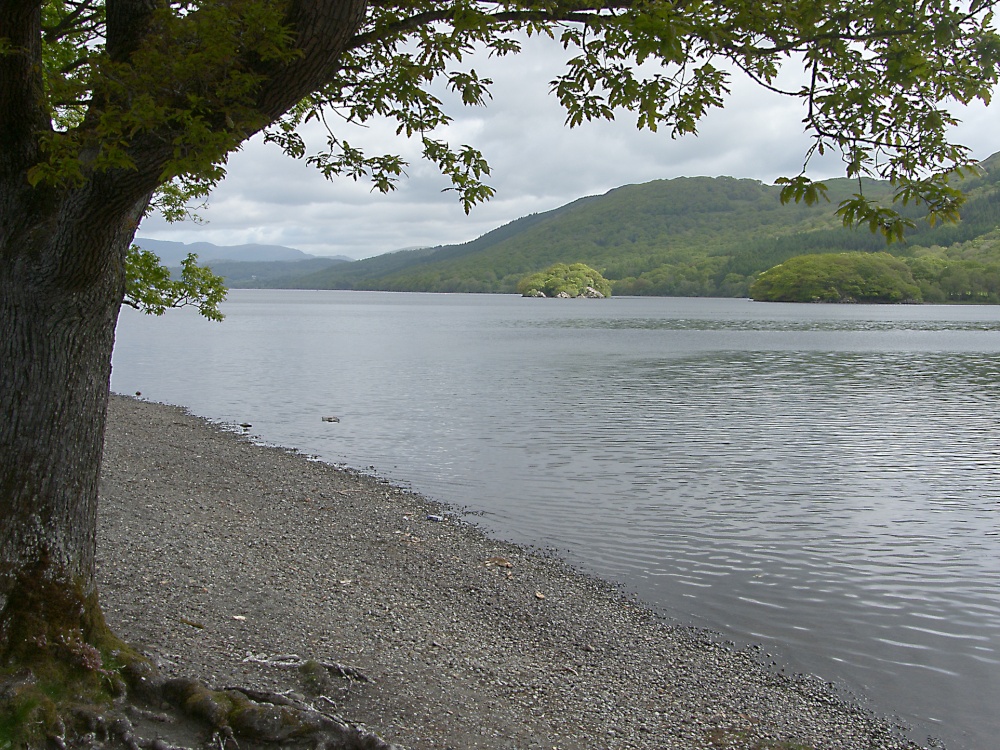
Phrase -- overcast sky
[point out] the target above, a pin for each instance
(538, 164)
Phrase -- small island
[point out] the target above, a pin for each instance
(566, 282)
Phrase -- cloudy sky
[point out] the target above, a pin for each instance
(538, 164)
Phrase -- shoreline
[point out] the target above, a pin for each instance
(216, 554)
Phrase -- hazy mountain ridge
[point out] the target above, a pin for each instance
(249, 265)
(172, 253)
(266, 274)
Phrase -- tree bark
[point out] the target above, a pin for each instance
(61, 287)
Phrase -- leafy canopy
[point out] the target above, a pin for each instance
(877, 80)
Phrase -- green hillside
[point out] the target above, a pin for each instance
(697, 236)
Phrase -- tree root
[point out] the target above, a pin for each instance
(310, 665)
(182, 714)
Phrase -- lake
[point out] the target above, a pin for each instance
(821, 480)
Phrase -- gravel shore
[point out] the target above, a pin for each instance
(217, 555)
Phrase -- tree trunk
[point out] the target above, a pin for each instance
(62, 281)
(61, 287)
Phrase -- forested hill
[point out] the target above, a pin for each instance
(697, 236)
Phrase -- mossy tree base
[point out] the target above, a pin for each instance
(132, 707)
(67, 682)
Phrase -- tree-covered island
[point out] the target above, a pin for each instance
(566, 281)
(837, 277)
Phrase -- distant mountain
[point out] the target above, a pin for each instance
(172, 253)
(268, 274)
(697, 236)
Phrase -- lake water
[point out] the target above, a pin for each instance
(823, 480)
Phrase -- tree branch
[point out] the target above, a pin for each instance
(22, 95)
(568, 12)
(71, 21)
(323, 30)
(127, 24)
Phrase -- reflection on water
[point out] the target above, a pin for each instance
(824, 480)
(730, 324)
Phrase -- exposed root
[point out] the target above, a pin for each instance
(310, 665)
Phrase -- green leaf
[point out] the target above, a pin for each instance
(150, 288)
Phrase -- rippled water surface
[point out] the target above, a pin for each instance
(824, 480)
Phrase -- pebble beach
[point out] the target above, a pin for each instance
(232, 562)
